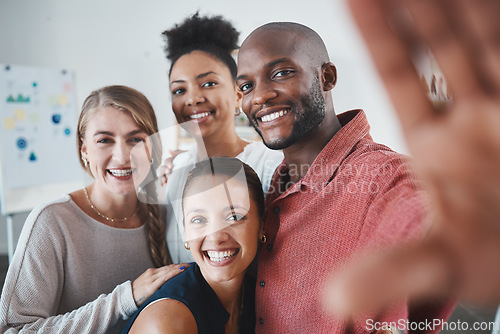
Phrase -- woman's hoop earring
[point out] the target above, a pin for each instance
(238, 111)
(263, 238)
(186, 245)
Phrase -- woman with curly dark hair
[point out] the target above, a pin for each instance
(205, 99)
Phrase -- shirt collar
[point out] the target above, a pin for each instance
(354, 128)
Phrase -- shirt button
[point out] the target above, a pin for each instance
(270, 247)
(262, 284)
(261, 321)
(276, 210)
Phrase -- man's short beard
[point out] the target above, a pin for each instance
(313, 113)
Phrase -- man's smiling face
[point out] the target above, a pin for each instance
(282, 95)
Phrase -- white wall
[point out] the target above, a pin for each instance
(119, 42)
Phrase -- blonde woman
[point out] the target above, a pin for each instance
(78, 264)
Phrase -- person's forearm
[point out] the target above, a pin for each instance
(97, 316)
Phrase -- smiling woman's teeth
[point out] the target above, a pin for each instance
(200, 115)
(273, 116)
(120, 172)
(220, 256)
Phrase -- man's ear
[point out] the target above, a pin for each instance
(328, 76)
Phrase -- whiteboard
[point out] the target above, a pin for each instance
(38, 157)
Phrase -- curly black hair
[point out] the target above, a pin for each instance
(214, 35)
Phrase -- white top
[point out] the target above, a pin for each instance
(263, 160)
(71, 273)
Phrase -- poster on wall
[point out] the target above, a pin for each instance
(37, 138)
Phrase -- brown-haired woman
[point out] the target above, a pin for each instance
(223, 206)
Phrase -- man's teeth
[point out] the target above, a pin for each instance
(200, 115)
(120, 172)
(273, 116)
(220, 256)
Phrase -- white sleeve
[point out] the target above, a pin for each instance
(34, 282)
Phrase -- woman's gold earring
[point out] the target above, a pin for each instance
(186, 245)
(263, 238)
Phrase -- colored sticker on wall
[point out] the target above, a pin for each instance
(35, 117)
(67, 131)
(52, 101)
(19, 99)
(21, 143)
(20, 115)
(32, 156)
(56, 118)
(9, 123)
(67, 87)
(63, 100)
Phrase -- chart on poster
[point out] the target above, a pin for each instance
(38, 119)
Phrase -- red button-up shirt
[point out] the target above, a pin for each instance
(357, 194)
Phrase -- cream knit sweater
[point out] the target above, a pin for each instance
(71, 274)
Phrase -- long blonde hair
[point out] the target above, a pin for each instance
(134, 103)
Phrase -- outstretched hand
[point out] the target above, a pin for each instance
(456, 147)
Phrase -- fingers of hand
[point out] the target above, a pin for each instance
(167, 166)
(444, 27)
(482, 19)
(153, 278)
(165, 273)
(163, 171)
(392, 55)
(175, 153)
(463, 35)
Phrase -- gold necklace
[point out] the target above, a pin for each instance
(104, 216)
